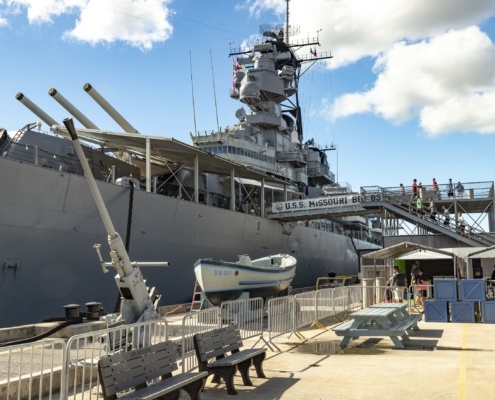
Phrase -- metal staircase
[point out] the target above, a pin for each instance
(403, 207)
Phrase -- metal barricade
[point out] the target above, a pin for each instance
(324, 304)
(280, 316)
(84, 350)
(339, 301)
(305, 311)
(193, 323)
(32, 370)
(247, 314)
(354, 298)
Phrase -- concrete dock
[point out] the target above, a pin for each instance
(442, 361)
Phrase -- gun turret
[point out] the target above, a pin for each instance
(114, 114)
(136, 301)
(85, 121)
(35, 110)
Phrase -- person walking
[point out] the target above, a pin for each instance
(450, 189)
(399, 283)
(461, 224)
(414, 189)
(420, 190)
(419, 207)
(446, 217)
(422, 288)
(460, 190)
(388, 294)
(433, 210)
(436, 193)
(402, 191)
(414, 279)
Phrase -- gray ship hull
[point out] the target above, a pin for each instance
(49, 224)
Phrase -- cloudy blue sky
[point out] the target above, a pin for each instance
(410, 92)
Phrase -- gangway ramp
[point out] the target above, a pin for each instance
(411, 217)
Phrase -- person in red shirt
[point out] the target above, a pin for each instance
(435, 186)
(414, 188)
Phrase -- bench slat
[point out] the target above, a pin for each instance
(407, 323)
(212, 351)
(137, 368)
(160, 388)
(344, 326)
(127, 370)
(236, 358)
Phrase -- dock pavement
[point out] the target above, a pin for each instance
(442, 361)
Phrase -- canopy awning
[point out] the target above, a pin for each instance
(168, 150)
(406, 249)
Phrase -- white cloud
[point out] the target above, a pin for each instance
(353, 29)
(42, 11)
(474, 113)
(137, 22)
(451, 72)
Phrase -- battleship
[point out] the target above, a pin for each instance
(170, 200)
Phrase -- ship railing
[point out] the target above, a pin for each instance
(33, 155)
(472, 190)
(32, 370)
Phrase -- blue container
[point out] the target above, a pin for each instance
(462, 311)
(436, 311)
(445, 289)
(473, 290)
(488, 311)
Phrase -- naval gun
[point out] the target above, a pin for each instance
(137, 304)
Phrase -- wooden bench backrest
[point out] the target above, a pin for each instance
(218, 342)
(128, 370)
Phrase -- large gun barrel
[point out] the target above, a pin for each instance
(85, 121)
(114, 114)
(35, 110)
(137, 303)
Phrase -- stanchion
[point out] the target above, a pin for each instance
(367, 292)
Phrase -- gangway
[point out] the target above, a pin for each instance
(403, 206)
(398, 203)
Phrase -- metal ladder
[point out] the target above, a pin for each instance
(197, 301)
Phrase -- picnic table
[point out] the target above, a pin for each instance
(401, 312)
(386, 319)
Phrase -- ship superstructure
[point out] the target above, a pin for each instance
(173, 201)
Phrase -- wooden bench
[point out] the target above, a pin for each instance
(136, 368)
(219, 353)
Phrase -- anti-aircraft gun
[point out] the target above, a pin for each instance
(137, 304)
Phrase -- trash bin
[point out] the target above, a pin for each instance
(469, 194)
(477, 269)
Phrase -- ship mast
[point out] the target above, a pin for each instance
(287, 22)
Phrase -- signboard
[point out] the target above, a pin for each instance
(317, 203)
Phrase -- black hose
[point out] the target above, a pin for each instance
(43, 335)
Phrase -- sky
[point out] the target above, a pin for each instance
(409, 92)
